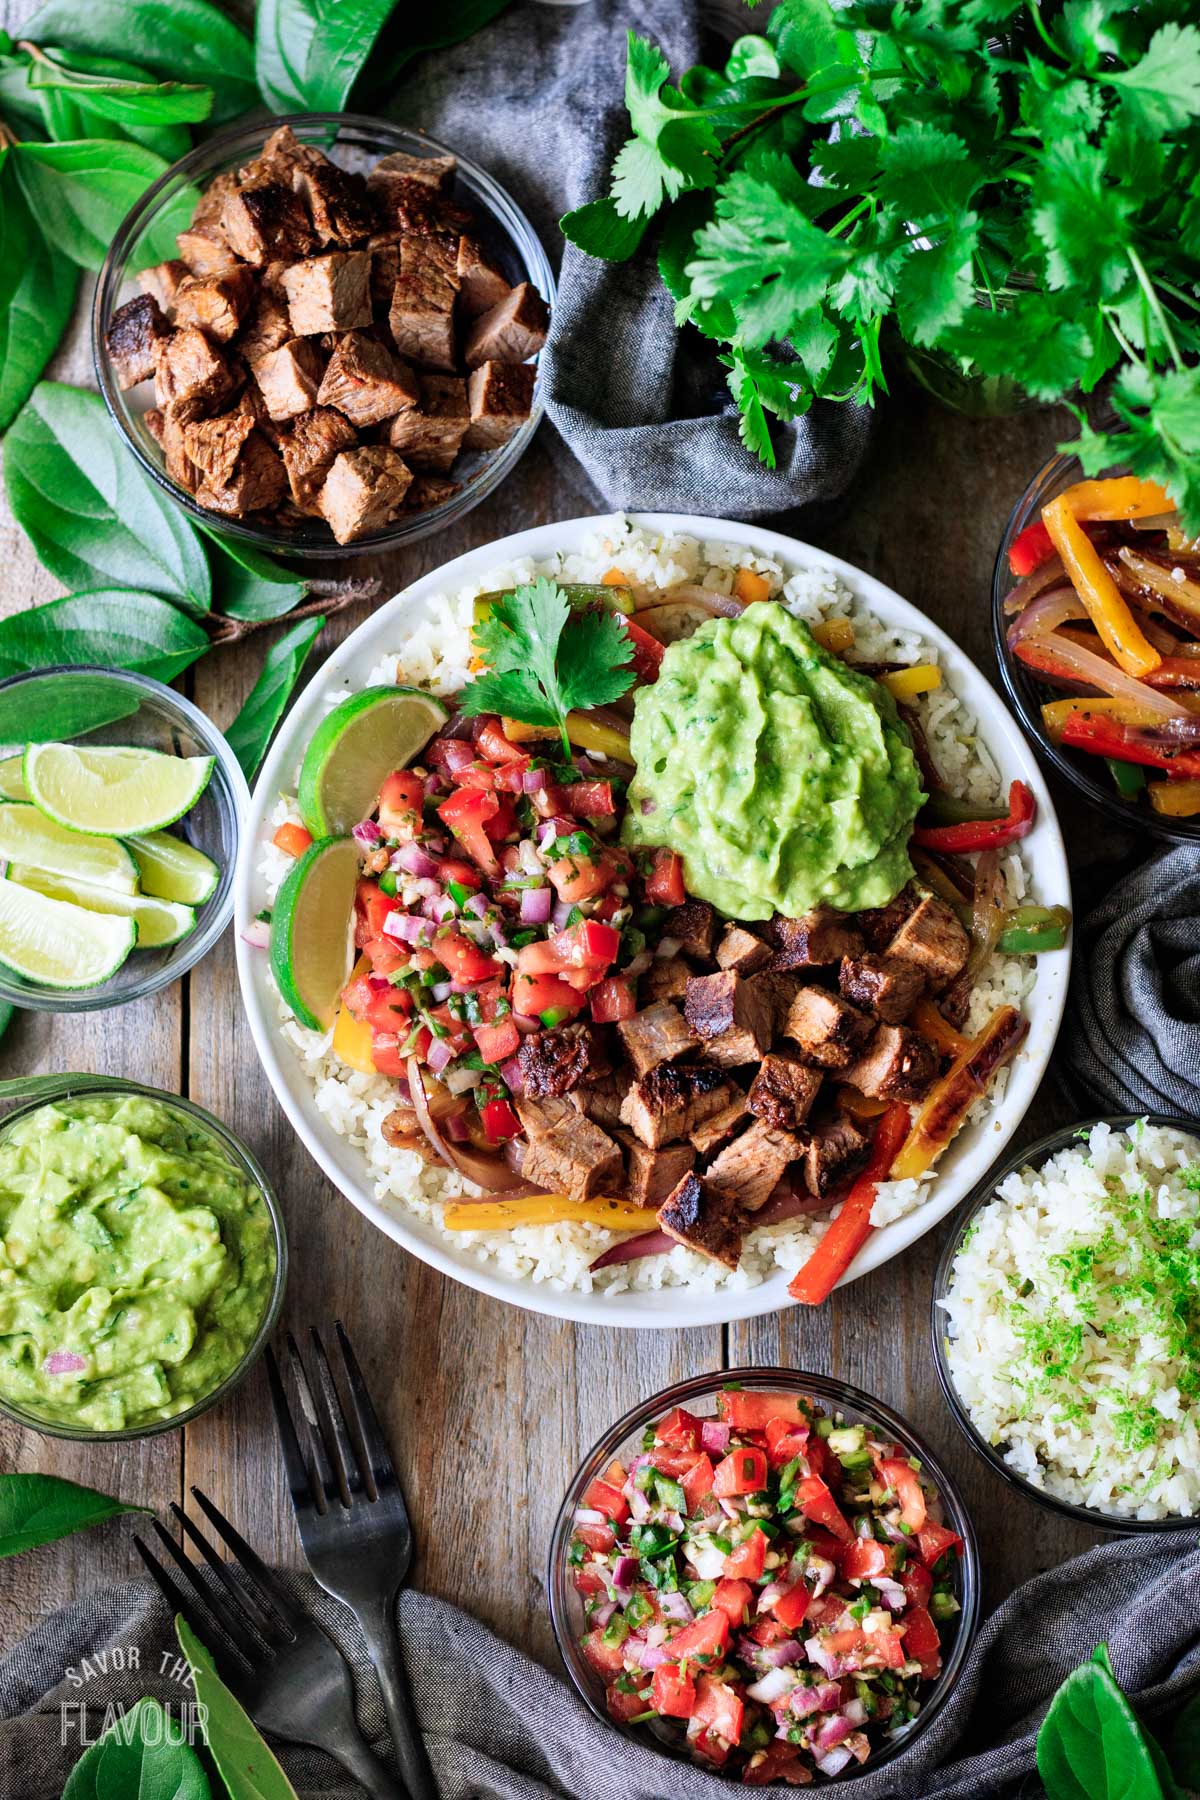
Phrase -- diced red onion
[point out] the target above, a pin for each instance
(678, 1607)
(640, 963)
(625, 1573)
(639, 1506)
(457, 756)
(547, 831)
(439, 1055)
(478, 932)
(455, 1128)
(424, 887)
(771, 1687)
(460, 1080)
(436, 846)
(730, 1508)
(824, 1572)
(530, 857)
(439, 908)
(715, 1436)
(588, 1515)
(433, 786)
(64, 1362)
(477, 904)
(649, 806)
(257, 934)
(367, 833)
(413, 859)
(855, 1711)
(891, 1593)
(535, 906)
(774, 1590)
(499, 935)
(667, 946)
(527, 1026)
(409, 928)
(833, 1761)
(823, 1658)
(533, 781)
(440, 991)
(646, 1656)
(513, 1075)
(832, 1732)
(378, 984)
(655, 1635)
(599, 1619)
(779, 1656)
(560, 913)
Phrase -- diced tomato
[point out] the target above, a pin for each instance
(510, 777)
(590, 799)
(371, 908)
(719, 1707)
(816, 1454)
(1030, 549)
(465, 873)
(791, 1608)
(864, 1559)
(466, 813)
(933, 1541)
(698, 1482)
(596, 1537)
(778, 1762)
(613, 999)
(500, 1121)
(673, 1694)
(576, 878)
(385, 955)
(503, 822)
(921, 1640)
(885, 1647)
(768, 1632)
(292, 839)
(664, 886)
(903, 1480)
(754, 1412)
(624, 1706)
(386, 1048)
(647, 651)
(496, 1043)
(587, 1581)
(679, 1427)
(816, 1502)
(785, 1441)
(732, 1598)
(711, 1748)
(603, 1497)
(383, 1009)
(463, 959)
(748, 1559)
(491, 742)
(823, 1543)
(917, 1583)
(533, 994)
(400, 801)
(606, 1659)
(744, 1471)
(703, 1637)
(590, 942)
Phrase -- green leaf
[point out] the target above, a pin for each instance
(80, 192)
(6, 1017)
(254, 726)
(308, 53)
(117, 627)
(1055, 351)
(807, 36)
(1183, 1744)
(249, 585)
(244, 1759)
(119, 91)
(925, 172)
(1162, 89)
(934, 286)
(36, 312)
(1090, 1745)
(93, 518)
(1082, 221)
(762, 254)
(410, 33)
(751, 56)
(141, 1756)
(184, 40)
(600, 230)
(759, 387)
(642, 181)
(37, 1509)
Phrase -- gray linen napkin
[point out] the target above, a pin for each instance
(1132, 1038)
(537, 99)
(498, 1727)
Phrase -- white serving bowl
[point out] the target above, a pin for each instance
(967, 1160)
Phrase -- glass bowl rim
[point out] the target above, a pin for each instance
(75, 1086)
(1038, 1152)
(196, 945)
(1054, 471)
(833, 1389)
(502, 208)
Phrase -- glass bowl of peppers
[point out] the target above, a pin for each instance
(1096, 615)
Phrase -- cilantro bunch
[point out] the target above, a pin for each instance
(1011, 189)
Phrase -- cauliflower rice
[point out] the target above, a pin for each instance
(1073, 1322)
(435, 655)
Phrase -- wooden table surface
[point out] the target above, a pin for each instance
(489, 1408)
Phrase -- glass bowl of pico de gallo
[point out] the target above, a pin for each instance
(767, 1573)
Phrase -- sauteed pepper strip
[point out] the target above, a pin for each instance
(1120, 632)
(983, 834)
(949, 1100)
(852, 1227)
(1128, 743)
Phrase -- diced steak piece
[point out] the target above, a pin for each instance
(421, 313)
(266, 222)
(366, 382)
(329, 293)
(657, 1034)
(651, 1174)
(554, 1062)
(731, 1015)
(819, 938)
(191, 377)
(279, 157)
(412, 205)
(501, 396)
(711, 1133)
(888, 986)
(672, 1100)
(208, 206)
(897, 1064)
(429, 490)
(693, 926)
(257, 482)
(828, 1031)
(269, 328)
(600, 1099)
(384, 247)
(932, 938)
(566, 1153)
(779, 989)
(205, 250)
(430, 435)
(880, 924)
(833, 1153)
(363, 490)
(167, 431)
(704, 1220)
(481, 285)
(134, 331)
(289, 378)
(435, 172)
(512, 331)
(308, 452)
(214, 445)
(218, 304)
(337, 203)
(430, 253)
(741, 951)
(665, 979)
(783, 1091)
(747, 1171)
(162, 282)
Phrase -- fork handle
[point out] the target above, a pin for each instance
(366, 1769)
(383, 1642)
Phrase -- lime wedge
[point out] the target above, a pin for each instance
(312, 930)
(59, 945)
(28, 836)
(12, 781)
(113, 790)
(354, 750)
(159, 922)
(173, 870)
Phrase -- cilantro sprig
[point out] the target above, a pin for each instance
(544, 659)
(1000, 192)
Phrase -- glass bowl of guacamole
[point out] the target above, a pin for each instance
(142, 1261)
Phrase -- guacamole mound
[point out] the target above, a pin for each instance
(136, 1263)
(780, 775)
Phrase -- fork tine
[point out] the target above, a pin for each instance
(177, 1601)
(383, 1470)
(295, 1466)
(277, 1595)
(320, 1465)
(337, 1437)
(229, 1621)
(261, 1619)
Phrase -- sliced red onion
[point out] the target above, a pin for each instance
(439, 1056)
(599, 1619)
(771, 1687)
(715, 1436)
(257, 934)
(625, 1573)
(64, 1362)
(513, 1075)
(367, 833)
(560, 913)
(535, 906)
(456, 756)
(414, 859)
(833, 1761)
(533, 781)
(677, 1607)
(647, 1243)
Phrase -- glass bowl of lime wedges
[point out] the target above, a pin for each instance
(120, 810)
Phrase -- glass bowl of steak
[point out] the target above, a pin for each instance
(765, 1572)
(320, 334)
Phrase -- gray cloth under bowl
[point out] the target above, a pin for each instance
(537, 99)
(498, 1727)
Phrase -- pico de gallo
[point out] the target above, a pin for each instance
(770, 1589)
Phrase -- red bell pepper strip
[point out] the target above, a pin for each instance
(983, 834)
(1131, 743)
(1030, 549)
(852, 1227)
(647, 651)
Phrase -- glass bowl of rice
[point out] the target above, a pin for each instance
(1066, 1322)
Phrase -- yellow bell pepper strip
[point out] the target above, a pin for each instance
(937, 1029)
(983, 834)
(906, 684)
(351, 1036)
(1118, 497)
(1055, 713)
(859, 1105)
(950, 1099)
(834, 635)
(584, 732)
(1175, 799)
(1107, 608)
(749, 586)
(816, 1279)
(549, 1209)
